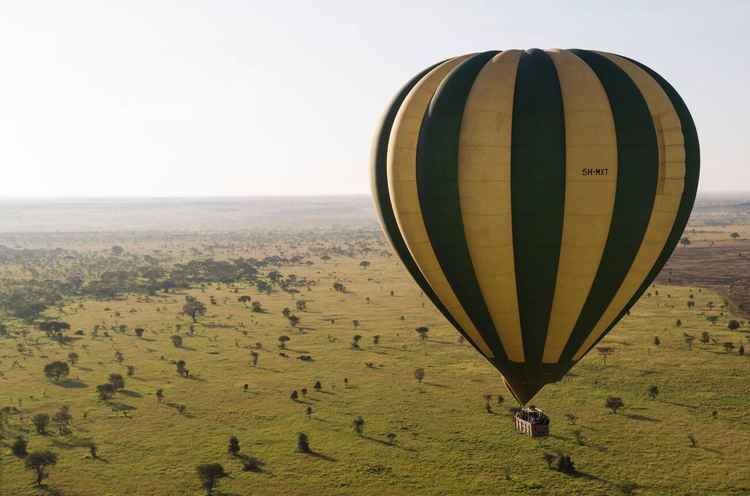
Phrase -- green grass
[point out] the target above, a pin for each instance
(447, 444)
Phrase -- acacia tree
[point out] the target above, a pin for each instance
(193, 308)
(56, 370)
(653, 392)
(209, 474)
(39, 461)
(234, 446)
(282, 341)
(422, 331)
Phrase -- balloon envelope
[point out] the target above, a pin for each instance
(534, 196)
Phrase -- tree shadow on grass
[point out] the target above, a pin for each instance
(268, 369)
(130, 394)
(51, 491)
(121, 407)
(643, 418)
(675, 403)
(434, 384)
(72, 442)
(72, 384)
(385, 443)
(321, 456)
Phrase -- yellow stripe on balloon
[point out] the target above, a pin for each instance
(402, 185)
(484, 191)
(668, 193)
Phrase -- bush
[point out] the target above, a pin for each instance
(614, 403)
(733, 325)
(117, 381)
(106, 391)
(18, 448)
(40, 421)
(303, 443)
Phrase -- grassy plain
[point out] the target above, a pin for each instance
(446, 444)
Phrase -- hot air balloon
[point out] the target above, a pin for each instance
(534, 196)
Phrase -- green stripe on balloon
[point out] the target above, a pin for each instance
(690, 188)
(437, 186)
(537, 194)
(637, 177)
(383, 207)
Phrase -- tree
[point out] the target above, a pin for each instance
(422, 331)
(254, 355)
(728, 346)
(689, 341)
(653, 392)
(182, 368)
(614, 403)
(364, 264)
(705, 337)
(39, 461)
(244, 299)
(73, 358)
(565, 464)
(177, 341)
(19, 447)
(117, 381)
(355, 341)
(657, 341)
(301, 305)
(282, 341)
(303, 443)
(159, 395)
(605, 352)
(419, 375)
(193, 308)
(359, 425)
(391, 438)
(40, 421)
(355, 323)
(139, 332)
(257, 307)
(317, 386)
(376, 339)
(733, 325)
(234, 446)
(209, 474)
(56, 370)
(106, 391)
(63, 418)
(741, 350)
(286, 312)
(735, 235)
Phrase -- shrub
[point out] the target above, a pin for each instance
(303, 443)
(40, 421)
(18, 448)
(614, 403)
(106, 391)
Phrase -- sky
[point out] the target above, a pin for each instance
(230, 98)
